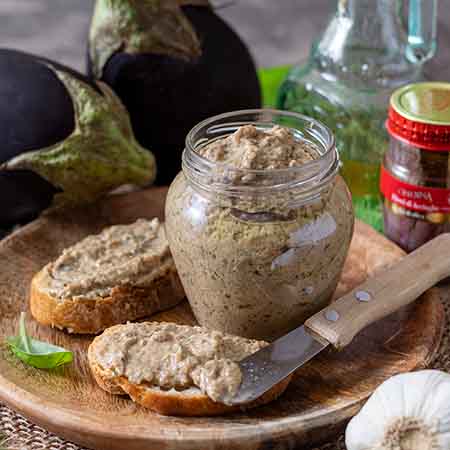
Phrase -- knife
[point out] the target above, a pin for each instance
(342, 320)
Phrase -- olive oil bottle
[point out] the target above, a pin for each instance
(362, 56)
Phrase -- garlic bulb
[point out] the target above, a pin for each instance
(407, 412)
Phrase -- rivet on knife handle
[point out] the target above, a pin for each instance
(384, 294)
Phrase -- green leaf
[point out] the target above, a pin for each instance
(37, 353)
(270, 80)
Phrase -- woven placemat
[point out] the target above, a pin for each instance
(20, 434)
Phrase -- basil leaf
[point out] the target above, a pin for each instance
(37, 353)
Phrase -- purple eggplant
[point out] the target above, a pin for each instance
(63, 138)
(173, 63)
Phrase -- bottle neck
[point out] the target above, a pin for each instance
(365, 44)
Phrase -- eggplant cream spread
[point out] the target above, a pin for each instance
(177, 357)
(257, 265)
(250, 148)
(135, 254)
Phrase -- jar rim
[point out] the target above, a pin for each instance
(316, 172)
(331, 145)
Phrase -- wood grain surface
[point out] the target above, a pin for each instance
(326, 392)
(384, 294)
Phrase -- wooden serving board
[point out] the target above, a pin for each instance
(326, 392)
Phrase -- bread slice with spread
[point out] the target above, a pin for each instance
(124, 273)
(174, 369)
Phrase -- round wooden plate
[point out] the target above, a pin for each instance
(326, 392)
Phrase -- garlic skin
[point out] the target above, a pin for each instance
(407, 412)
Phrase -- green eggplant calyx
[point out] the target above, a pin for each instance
(100, 155)
(140, 26)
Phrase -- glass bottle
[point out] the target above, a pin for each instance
(364, 54)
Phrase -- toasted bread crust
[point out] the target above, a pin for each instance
(189, 403)
(89, 316)
(175, 403)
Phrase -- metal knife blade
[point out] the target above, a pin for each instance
(268, 366)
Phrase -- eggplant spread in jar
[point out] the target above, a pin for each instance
(258, 255)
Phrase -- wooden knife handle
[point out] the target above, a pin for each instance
(383, 294)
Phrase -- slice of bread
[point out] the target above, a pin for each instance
(187, 401)
(124, 291)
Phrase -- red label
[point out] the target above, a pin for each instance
(414, 198)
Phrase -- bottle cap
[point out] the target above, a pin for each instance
(419, 114)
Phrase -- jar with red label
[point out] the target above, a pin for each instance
(415, 176)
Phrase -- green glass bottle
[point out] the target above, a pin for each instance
(362, 56)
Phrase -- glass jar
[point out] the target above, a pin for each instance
(362, 56)
(415, 176)
(258, 258)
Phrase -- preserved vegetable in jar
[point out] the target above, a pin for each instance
(259, 222)
(415, 175)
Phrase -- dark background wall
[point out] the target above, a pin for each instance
(277, 31)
